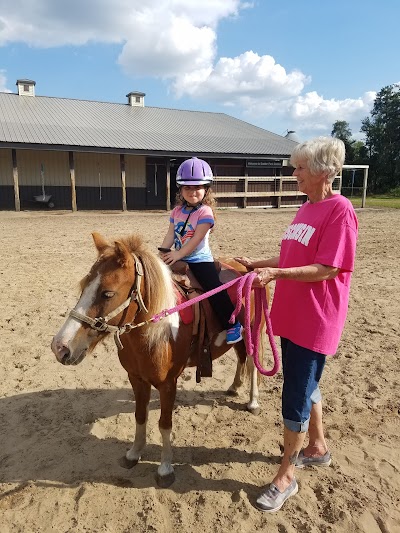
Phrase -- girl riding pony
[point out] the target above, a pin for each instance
(190, 225)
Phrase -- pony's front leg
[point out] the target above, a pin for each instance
(165, 473)
(142, 397)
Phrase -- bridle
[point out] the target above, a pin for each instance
(101, 324)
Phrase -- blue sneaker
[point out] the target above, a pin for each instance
(234, 334)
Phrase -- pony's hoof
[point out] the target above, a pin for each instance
(232, 392)
(254, 410)
(165, 481)
(127, 463)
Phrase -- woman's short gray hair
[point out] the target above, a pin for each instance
(324, 155)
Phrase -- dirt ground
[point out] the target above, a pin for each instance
(63, 429)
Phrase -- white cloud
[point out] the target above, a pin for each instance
(313, 112)
(179, 48)
(48, 23)
(176, 40)
(160, 38)
(3, 82)
(248, 76)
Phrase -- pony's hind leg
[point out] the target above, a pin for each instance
(238, 380)
(142, 397)
(253, 406)
(165, 473)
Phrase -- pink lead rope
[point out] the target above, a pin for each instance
(252, 334)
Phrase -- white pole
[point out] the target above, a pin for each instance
(364, 195)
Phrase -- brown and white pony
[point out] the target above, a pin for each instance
(128, 284)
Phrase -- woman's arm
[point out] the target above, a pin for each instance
(262, 263)
(308, 273)
(175, 255)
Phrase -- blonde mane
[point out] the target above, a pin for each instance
(160, 293)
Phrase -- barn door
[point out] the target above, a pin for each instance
(156, 180)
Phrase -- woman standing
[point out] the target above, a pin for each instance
(312, 273)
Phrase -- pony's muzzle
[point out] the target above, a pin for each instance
(60, 350)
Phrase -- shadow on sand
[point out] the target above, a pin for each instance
(48, 440)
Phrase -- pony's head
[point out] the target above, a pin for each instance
(127, 283)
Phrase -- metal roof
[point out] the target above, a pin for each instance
(61, 123)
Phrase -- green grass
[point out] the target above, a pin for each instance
(378, 201)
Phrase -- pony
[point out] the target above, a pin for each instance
(126, 286)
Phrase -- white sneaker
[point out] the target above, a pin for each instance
(271, 500)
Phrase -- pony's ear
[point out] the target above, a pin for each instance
(122, 254)
(100, 242)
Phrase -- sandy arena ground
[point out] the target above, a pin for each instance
(63, 429)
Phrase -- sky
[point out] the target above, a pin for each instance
(281, 65)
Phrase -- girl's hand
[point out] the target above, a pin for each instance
(245, 261)
(171, 257)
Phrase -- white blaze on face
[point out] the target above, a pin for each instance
(71, 326)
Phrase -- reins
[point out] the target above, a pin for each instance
(252, 333)
(244, 288)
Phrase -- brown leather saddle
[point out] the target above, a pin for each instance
(205, 323)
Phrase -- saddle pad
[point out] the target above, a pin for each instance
(187, 314)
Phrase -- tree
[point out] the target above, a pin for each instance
(361, 154)
(382, 133)
(341, 130)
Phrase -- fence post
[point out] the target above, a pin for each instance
(15, 179)
(364, 194)
(168, 187)
(123, 180)
(246, 187)
(72, 178)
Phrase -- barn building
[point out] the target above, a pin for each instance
(88, 155)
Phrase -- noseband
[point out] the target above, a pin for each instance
(101, 323)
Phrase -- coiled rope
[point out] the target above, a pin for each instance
(252, 331)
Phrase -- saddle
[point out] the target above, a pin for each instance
(200, 315)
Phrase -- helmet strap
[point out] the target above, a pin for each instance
(182, 230)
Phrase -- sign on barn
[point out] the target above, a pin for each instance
(263, 163)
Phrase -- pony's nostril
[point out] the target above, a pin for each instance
(65, 356)
(61, 351)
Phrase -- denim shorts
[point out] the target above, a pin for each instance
(302, 370)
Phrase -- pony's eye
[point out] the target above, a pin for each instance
(107, 294)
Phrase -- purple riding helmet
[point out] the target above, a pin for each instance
(194, 171)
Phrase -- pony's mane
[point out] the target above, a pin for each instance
(159, 289)
(157, 277)
(160, 293)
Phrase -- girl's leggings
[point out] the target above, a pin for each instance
(207, 275)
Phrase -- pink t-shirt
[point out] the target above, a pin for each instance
(312, 314)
